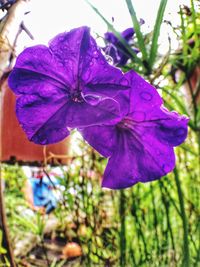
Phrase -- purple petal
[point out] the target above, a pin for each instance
(58, 64)
(136, 160)
(39, 60)
(42, 118)
(83, 114)
(39, 105)
(171, 128)
(110, 37)
(97, 76)
(102, 138)
(128, 34)
(143, 97)
(45, 118)
(68, 48)
(146, 111)
(116, 49)
(23, 81)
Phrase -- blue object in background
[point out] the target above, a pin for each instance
(42, 194)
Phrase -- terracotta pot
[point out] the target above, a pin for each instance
(71, 250)
(15, 146)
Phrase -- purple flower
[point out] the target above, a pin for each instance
(140, 146)
(68, 84)
(116, 49)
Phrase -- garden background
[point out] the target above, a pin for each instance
(152, 224)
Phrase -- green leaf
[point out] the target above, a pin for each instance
(177, 100)
(194, 20)
(136, 26)
(27, 223)
(188, 149)
(2, 250)
(184, 38)
(156, 32)
(117, 34)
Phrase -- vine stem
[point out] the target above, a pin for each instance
(123, 229)
(9, 32)
(186, 257)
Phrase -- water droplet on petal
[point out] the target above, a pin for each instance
(146, 96)
(91, 62)
(95, 54)
(124, 82)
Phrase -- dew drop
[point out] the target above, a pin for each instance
(65, 47)
(95, 54)
(61, 39)
(146, 96)
(124, 82)
(91, 63)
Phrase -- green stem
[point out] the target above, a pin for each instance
(155, 221)
(198, 253)
(123, 229)
(139, 231)
(186, 257)
(167, 206)
(3, 226)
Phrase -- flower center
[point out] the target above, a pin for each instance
(77, 97)
(126, 123)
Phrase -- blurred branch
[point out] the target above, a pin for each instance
(9, 28)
